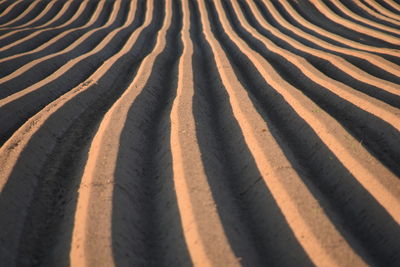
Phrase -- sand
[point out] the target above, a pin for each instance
(198, 132)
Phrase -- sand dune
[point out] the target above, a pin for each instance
(199, 132)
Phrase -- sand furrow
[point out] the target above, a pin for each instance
(202, 227)
(274, 164)
(333, 36)
(26, 15)
(373, 60)
(63, 74)
(262, 60)
(14, 11)
(361, 100)
(112, 19)
(83, 7)
(326, 11)
(48, 17)
(374, 13)
(339, 142)
(46, 44)
(357, 18)
(79, 97)
(337, 61)
(117, 185)
(349, 189)
(34, 17)
(385, 11)
(199, 133)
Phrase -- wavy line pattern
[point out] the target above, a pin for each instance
(199, 132)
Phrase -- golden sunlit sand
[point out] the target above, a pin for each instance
(199, 132)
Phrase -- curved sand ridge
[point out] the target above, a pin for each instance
(207, 133)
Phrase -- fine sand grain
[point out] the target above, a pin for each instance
(199, 132)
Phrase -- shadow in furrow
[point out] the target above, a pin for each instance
(378, 136)
(30, 15)
(322, 65)
(38, 40)
(14, 12)
(5, 5)
(363, 13)
(46, 233)
(286, 15)
(386, 6)
(146, 226)
(256, 229)
(366, 226)
(50, 14)
(350, 6)
(47, 67)
(356, 61)
(24, 107)
(66, 15)
(309, 12)
(312, 14)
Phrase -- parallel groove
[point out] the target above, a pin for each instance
(32, 16)
(339, 62)
(199, 132)
(20, 72)
(357, 18)
(53, 17)
(384, 11)
(82, 8)
(14, 10)
(378, 16)
(333, 36)
(323, 8)
(374, 60)
(277, 82)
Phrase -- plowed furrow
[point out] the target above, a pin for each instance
(333, 66)
(365, 10)
(272, 80)
(58, 9)
(258, 139)
(389, 8)
(30, 14)
(349, 187)
(79, 15)
(27, 14)
(375, 35)
(52, 45)
(89, 37)
(50, 14)
(140, 175)
(315, 24)
(61, 141)
(349, 12)
(37, 70)
(14, 10)
(306, 68)
(70, 74)
(199, 133)
(370, 63)
(241, 196)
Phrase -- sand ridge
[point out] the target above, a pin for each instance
(199, 132)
